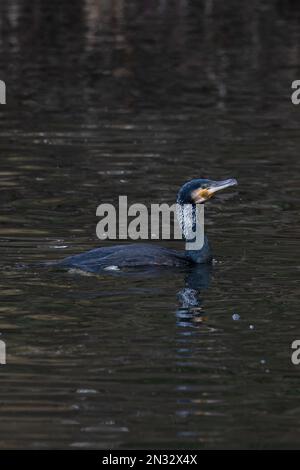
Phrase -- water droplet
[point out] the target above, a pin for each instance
(235, 316)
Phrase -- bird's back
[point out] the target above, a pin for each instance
(126, 255)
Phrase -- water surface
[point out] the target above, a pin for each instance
(106, 98)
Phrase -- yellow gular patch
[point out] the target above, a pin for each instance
(200, 194)
(205, 193)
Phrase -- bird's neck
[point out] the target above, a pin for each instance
(191, 221)
(202, 255)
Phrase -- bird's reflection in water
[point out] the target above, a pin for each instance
(194, 279)
(193, 399)
(190, 310)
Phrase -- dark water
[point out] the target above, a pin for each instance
(114, 97)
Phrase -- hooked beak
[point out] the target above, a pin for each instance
(202, 194)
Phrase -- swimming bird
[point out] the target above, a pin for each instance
(196, 191)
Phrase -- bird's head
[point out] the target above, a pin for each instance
(198, 191)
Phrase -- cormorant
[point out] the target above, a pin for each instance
(196, 191)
